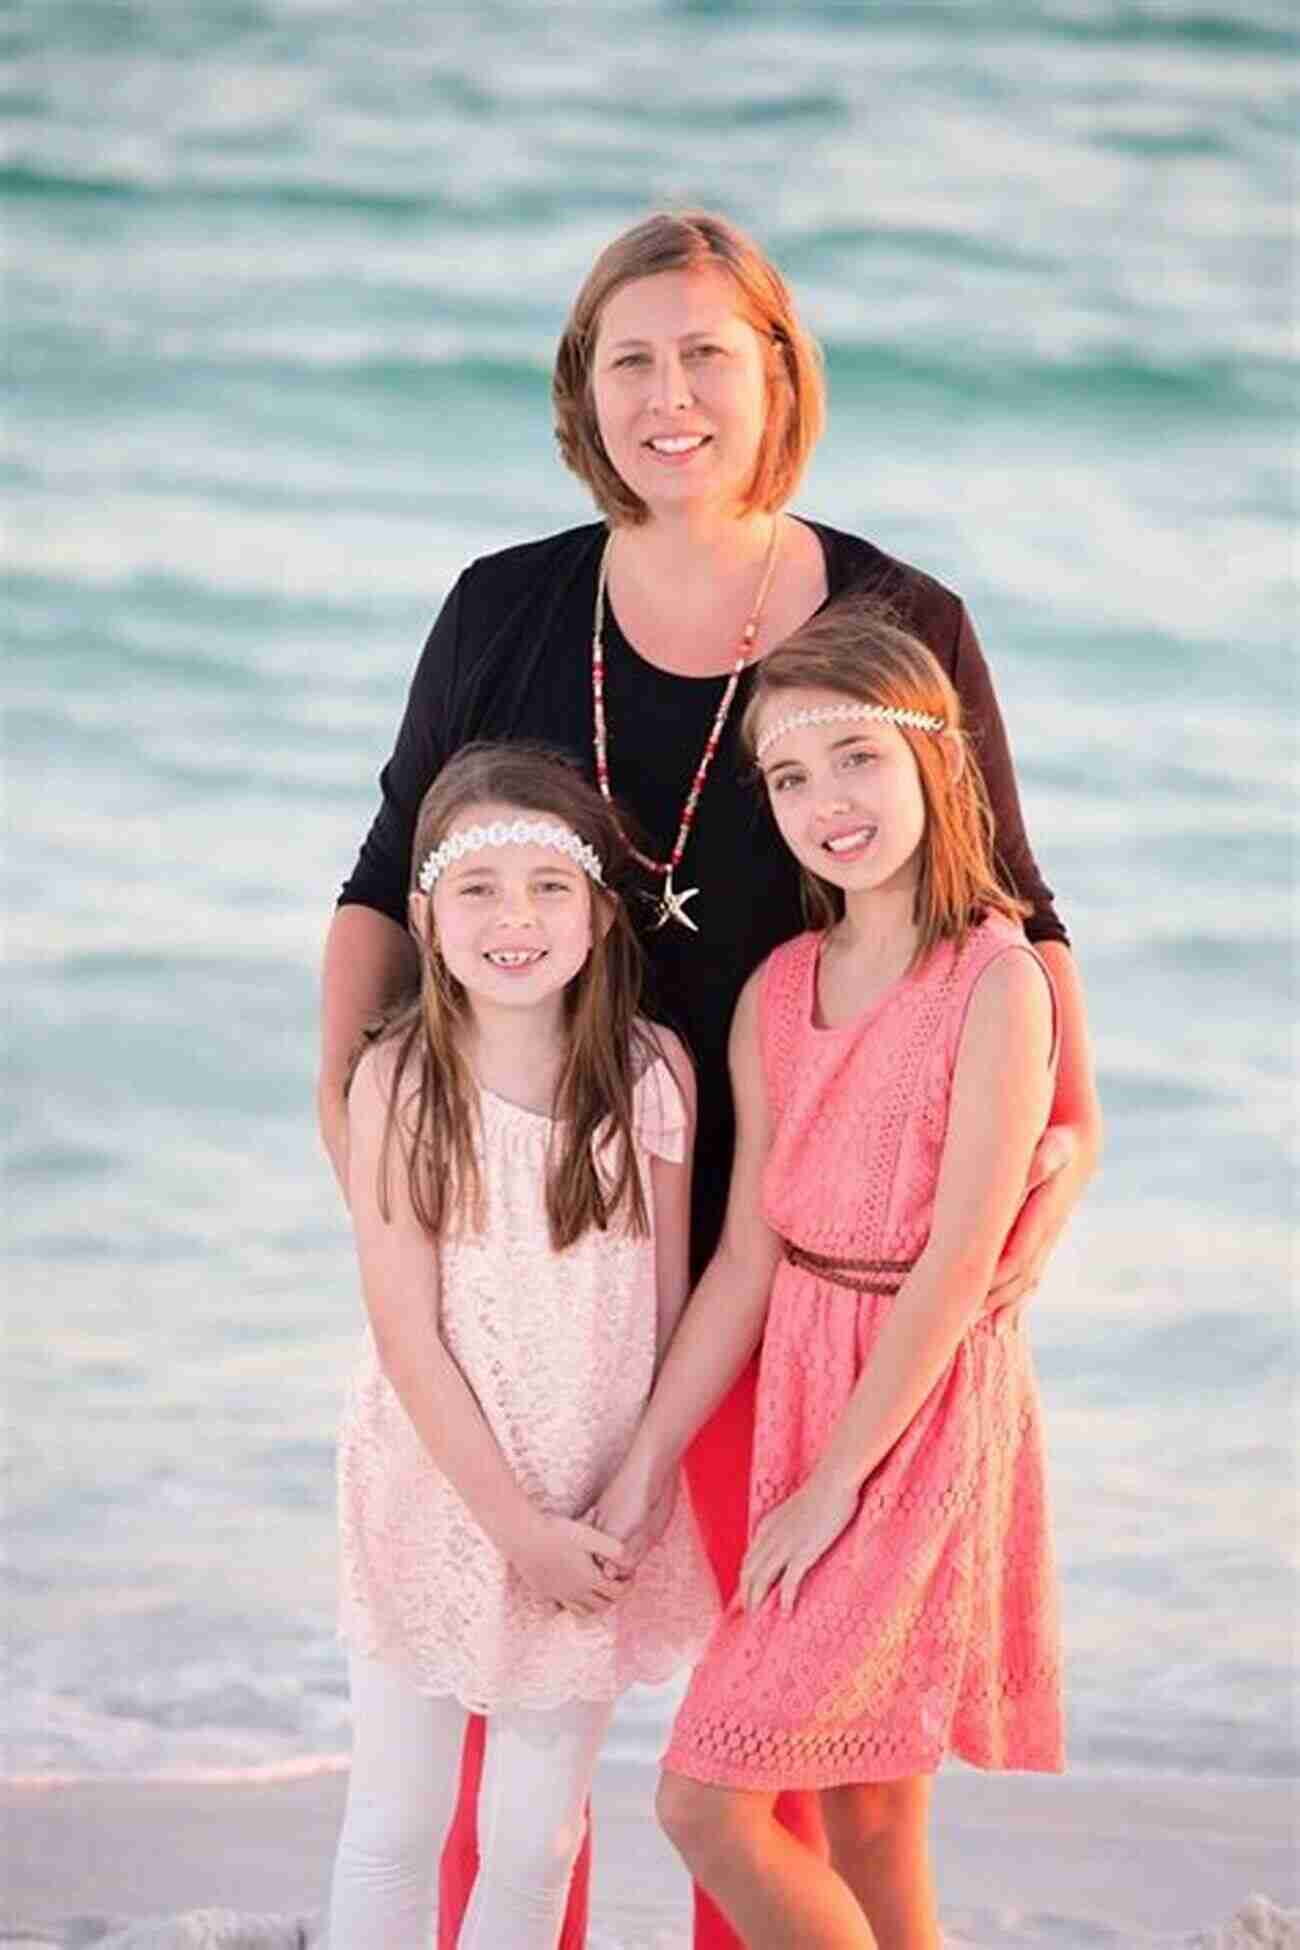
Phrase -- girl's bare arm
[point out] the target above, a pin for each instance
(723, 1322)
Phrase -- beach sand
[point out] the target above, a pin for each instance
(1022, 1862)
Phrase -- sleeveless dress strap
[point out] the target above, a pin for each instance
(780, 999)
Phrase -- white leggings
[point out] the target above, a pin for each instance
(406, 1752)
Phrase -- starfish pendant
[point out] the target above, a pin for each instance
(672, 906)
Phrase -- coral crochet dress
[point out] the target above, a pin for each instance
(559, 1348)
(930, 1626)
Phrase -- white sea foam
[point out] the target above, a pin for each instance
(1257, 1925)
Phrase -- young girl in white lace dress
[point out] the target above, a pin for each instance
(519, 1150)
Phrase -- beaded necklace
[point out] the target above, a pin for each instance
(671, 905)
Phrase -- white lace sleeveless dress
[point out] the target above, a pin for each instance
(559, 1349)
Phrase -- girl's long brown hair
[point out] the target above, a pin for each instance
(433, 1106)
(858, 648)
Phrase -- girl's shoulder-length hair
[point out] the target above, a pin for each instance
(859, 648)
(434, 1107)
(692, 240)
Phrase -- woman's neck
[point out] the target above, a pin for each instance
(684, 587)
(695, 545)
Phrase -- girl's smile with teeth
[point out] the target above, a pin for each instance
(514, 957)
(513, 921)
(846, 797)
(848, 842)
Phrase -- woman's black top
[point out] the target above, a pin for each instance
(510, 657)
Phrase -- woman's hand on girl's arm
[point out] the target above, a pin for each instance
(399, 1279)
(1066, 1155)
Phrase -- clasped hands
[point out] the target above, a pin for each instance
(586, 1564)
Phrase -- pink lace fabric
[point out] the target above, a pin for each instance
(930, 1627)
(559, 1349)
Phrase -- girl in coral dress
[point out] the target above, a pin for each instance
(518, 1184)
(893, 1071)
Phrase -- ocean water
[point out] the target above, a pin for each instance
(283, 281)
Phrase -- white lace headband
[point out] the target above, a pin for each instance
(842, 714)
(510, 832)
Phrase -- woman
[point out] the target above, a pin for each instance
(688, 397)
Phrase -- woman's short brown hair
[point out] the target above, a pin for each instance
(692, 240)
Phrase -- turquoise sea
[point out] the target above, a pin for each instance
(283, 279)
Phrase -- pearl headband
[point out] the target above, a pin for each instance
(512, 832)
(841, 714)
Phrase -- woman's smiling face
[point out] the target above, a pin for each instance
(680, 385)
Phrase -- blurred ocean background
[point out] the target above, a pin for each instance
(283, 280)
